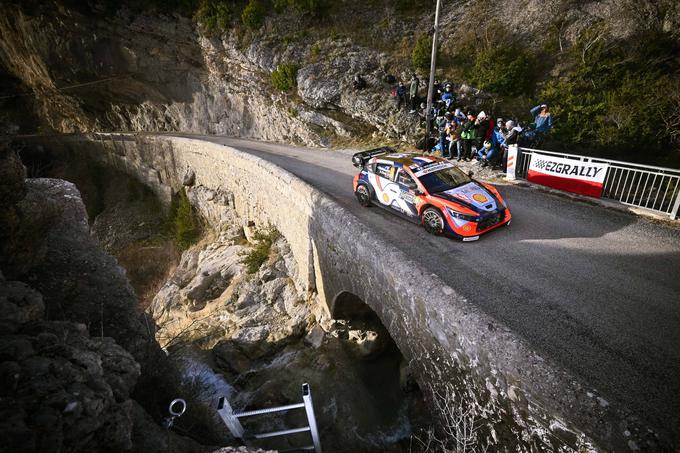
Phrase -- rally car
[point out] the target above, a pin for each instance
(429, 190)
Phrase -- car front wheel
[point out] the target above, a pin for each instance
(433, 221)
(363, 195)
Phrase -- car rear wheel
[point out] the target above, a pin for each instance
(363, 195)
(433, 221)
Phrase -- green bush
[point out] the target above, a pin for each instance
(504, 70)
(214, 15)
(284, 78)
(259, 252)
(422, 52)
(253, 15)
(185, 222)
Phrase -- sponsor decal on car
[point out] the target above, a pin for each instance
(407, 196)
(432, 167)
(474, 194)
(479, 197)
(585, 178)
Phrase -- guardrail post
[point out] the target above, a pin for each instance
(676, 206)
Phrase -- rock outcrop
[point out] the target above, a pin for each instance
(25, 218)
(75, 355)
(212, 302)
(61, 388)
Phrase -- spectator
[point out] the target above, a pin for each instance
(453, 131)
(401, 95)
(512, 134)
(413, 92)
(441, 124)
(448, 96)
(468, 137)
(436, 91)
(500, 125)
(459, 116)
(497, 142)
(542, 119)
(511, 138)
(422, 113)
(482, 125)
(486, 153)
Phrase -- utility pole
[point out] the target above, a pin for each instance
(430, 88)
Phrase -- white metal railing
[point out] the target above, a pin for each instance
(643, 186)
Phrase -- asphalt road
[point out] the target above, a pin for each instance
(594, 289)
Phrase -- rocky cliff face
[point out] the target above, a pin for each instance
(61, 388)
(149, 73)
(75, 355)
(84, 69)
(211, 298)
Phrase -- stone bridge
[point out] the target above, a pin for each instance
(523, 400)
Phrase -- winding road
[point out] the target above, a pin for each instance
(595, 290)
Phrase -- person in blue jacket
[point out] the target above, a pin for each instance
(542, 118)
(497, 141)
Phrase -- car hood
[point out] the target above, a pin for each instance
(473, 196)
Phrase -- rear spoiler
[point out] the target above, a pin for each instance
(360, 159)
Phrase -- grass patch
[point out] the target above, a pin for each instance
(258, 254)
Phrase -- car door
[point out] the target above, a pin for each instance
(386, 190)
(406, 199)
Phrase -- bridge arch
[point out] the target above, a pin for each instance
(347, 305)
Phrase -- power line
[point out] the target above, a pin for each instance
(70, 87)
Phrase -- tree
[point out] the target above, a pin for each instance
(422, 51)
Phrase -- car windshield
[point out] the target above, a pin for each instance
(444, 179)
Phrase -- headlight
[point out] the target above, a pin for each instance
(458, 215)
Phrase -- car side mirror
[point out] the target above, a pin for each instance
(471, 173)
(417, 191)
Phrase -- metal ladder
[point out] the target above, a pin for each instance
(231, 419)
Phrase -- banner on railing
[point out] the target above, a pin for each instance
(570, 175)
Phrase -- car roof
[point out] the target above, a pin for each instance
(411, 160)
